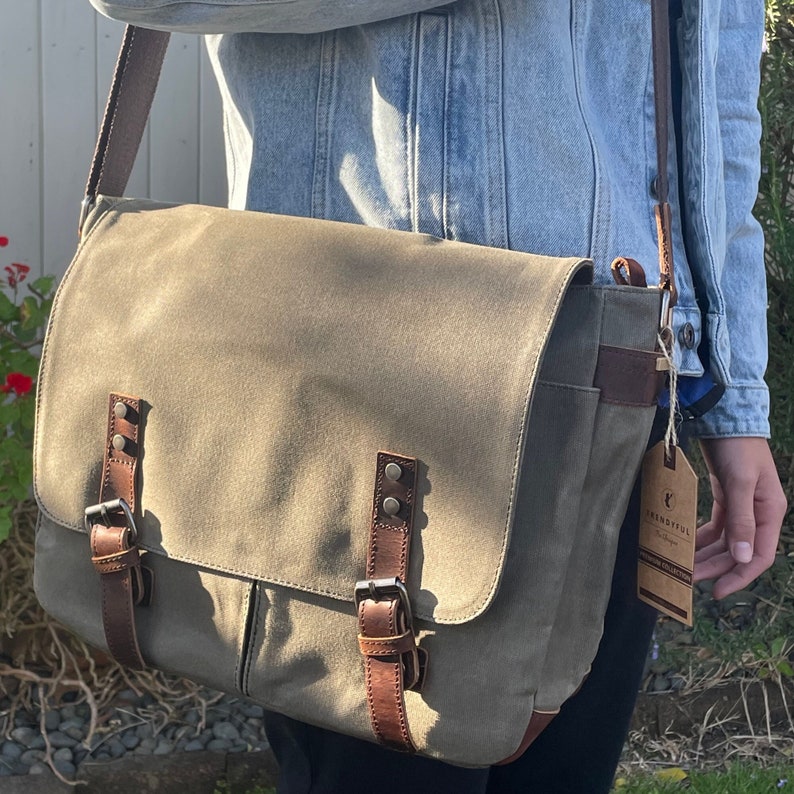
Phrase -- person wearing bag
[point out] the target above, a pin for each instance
(527, 125)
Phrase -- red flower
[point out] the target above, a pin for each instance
(16, 273)
(18, 383)
(3, 242)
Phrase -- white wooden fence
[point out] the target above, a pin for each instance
(56, 61)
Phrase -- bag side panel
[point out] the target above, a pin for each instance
(619, 442)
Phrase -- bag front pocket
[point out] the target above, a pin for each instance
(195, 624)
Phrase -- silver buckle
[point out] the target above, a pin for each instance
(86, 205)
(666, 315)
(102, 511)
(378, 589)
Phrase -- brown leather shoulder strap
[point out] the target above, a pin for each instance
(660, 22)
(132, 91)
(138, 71)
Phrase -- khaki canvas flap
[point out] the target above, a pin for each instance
(275, 356)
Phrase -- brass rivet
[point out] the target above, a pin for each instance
(120, 410)
(391, 506)
(119, 442)
(393, 471)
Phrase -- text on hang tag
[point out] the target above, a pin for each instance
(668, 524)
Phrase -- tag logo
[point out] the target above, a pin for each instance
(668, 497)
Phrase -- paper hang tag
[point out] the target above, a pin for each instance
(668, 517)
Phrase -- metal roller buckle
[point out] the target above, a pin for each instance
(102, 512)
(378, 589)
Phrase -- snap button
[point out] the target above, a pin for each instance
(391, 506)
(654, 187)
(119, 442)
(686, 335)
(393, 472)
(120, 410)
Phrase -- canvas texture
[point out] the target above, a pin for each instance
(275, 357)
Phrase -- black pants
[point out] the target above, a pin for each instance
(576, 754)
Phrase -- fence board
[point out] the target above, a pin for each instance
(56, 61)
(20, 161)
(174, 123)
(68, 38)
(212, 165)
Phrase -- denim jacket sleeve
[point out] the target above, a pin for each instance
(736, 286)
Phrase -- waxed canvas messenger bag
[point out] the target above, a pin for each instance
(370, 479)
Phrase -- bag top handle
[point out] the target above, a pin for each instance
(138, 72)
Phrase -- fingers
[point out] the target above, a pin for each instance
(740, 540)
(735, 478)
(711, 532)
(718, 563)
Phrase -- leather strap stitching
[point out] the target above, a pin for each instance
(116, 560)
(386, 637)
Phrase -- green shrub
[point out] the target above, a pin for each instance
(23, 315)
(775, 211)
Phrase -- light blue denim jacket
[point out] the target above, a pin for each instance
(526, 124)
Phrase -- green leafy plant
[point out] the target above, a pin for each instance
(775, 210)
(772, 658)
(737, 778)
(24, 308)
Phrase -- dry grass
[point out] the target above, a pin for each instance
(41, 661)
(721, 736)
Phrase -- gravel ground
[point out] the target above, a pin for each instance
(136, 725)
(231, 725)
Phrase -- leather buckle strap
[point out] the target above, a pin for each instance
(113, 533)
(113, 536)
(392, 661)
(378, 589)
(105, 511)
(117, 560)
(397, 614)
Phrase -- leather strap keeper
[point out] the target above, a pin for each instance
(110, 563)
(388, 646)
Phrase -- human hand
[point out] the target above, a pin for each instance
(739, 542)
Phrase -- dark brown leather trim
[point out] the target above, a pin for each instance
(628, 377)
(131, 93)
(664, 226)
(538, 722)
(114, 554)
(118, 596)
(121, 465)
(628, 272)
(660, 24)
(385, 675)
(388, 646)
(119, 561)
(386, 638)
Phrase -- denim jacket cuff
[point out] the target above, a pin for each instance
(742, 411)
